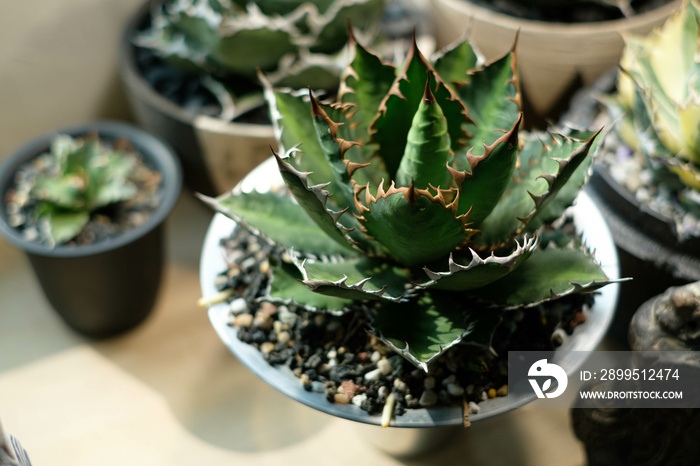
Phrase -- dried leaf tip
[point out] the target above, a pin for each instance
(428, 97)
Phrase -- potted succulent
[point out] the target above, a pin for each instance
(647, 180)
(189, 71)
(417, 209)
(87, 205)
(558, 50)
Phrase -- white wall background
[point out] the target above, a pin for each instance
(58, 65)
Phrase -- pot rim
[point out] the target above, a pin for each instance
(527, 26)
(132, 79)
(586, 337)
(156, 153)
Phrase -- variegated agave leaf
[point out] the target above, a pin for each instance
(296, 42)
(658, 95)
(429, 194)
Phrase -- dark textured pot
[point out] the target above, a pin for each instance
(648, 246)
(215, 154)
(108, 287)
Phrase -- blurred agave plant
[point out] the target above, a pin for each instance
(417, 193)
(86, 176)
(658, 98)
(294, 41)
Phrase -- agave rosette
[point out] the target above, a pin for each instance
(294, 40)
(418, 193)
(658, 98)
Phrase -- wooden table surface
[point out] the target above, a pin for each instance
(170, 393)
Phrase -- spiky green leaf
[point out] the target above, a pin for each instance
(356, 278)
(548, 274)
(286, 288)
(424, 330)
(278, 218)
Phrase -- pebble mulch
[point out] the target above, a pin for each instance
(104, 223)
(336, 357)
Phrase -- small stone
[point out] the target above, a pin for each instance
(502, 391)
(220, 282)
(268, 309)
(429, 383)
(286, 316)
(317, 387)
(283, 337)
(319, 320)
(332, 354)
(492, 393)
(262, 321)
(349, 388)
(376, 356)
(454, 389)
(484, 396)
(384, 366)
(244, 320)
(264, 267)
(248, 264)
(267, 347)
(373, 375)
(449, 380)
(470, 389)
(428, 398)
(254, 247)
(341, 398)
(278, 327)
(238, 305)
(357, 400)
(383, 392)
(400, 385)
(473, 408)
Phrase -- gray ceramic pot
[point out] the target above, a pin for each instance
(107, 287)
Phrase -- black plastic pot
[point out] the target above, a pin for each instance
(108, 287)
(649, 248)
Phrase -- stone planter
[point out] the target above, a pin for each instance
(107, 287)
(429, 426)
(550, 55)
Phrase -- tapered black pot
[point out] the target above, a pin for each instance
(107, 287)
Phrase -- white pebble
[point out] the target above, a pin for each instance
(473, 408)
(429, 383)
(454, 389)
(383, 392)
(238, 305)
(385, 366)
(400, 385)
(283, 337)
(373, 375)
(376, 356)
(357, 400)
(449, 380)
(428, 398)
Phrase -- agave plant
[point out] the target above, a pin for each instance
(658, 98)
(291, 40)
(418, 193)
(84, 176)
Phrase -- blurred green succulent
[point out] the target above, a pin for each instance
(418, 193)
(658, 97)
(84, 177)
(292, 40)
